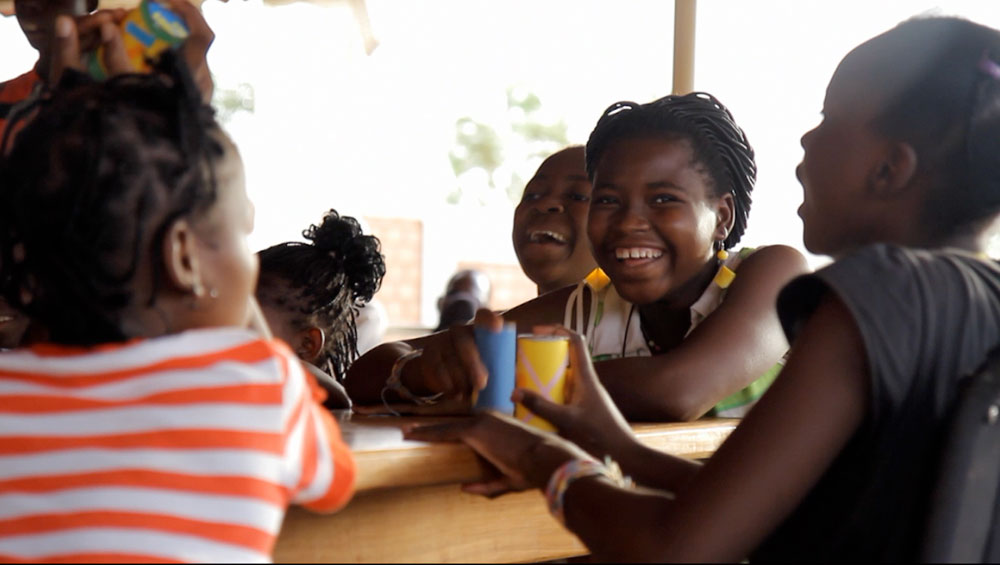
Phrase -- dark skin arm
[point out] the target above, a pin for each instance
(450, 362)
(592, 421)
(755, 479)
(766, 467)
(195, 47)
(682, 384)
(733, 346)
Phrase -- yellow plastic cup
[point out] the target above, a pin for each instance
(543, 367)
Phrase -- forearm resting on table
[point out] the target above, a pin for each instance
(642, 396)
(616, 523)
(653, 468)
(740, 341)
(366, 377)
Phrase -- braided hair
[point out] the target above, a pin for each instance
(328, 278)
(90, 186)
(942, 76)
(716, 141)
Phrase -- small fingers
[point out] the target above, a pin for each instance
(581, 365)
(200, 33)
(579, 353)
(470, 364)
(551, 329)
(431, 374)
(195, 47)
(89, 27)
(558, 415)
(488, 319)
(116, 59)
(65, 48)
(489, 489)
(93, 22)
(445, 373)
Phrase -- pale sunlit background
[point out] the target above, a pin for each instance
(431, 136)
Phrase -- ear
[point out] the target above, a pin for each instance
(725, 212)
(309, 343)
(180, 262)
(895, 172)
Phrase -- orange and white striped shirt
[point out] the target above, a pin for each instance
(187, 447)
(13, 91)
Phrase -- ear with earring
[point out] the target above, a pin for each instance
(198, 292)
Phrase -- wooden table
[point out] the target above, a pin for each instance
(408, 506)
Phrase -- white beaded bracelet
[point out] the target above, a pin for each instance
(575, 469)
(395, 383)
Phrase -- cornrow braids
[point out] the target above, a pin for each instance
(717, 142)
(329, 278)
(90, 185)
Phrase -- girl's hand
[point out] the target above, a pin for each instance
(523, 457)
(450, 363)
(590, 419)
(195, 47)
(73, 37)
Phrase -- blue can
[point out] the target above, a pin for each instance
(497, 350)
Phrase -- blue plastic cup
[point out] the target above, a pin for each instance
(497, 350)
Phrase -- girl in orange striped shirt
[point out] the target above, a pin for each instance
(154, 426)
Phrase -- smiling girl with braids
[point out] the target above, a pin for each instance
(311, 292)
(155, 425)
(679, 327)
(838, 461)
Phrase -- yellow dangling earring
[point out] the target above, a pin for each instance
(725, 275)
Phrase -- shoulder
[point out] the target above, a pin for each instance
(220, 354)
(18, 88)
(770, 257)
(224, 338)
(766, 270)
(545, 309)
(925, 317)
(885, 269)
(898, 289)
(239, 350)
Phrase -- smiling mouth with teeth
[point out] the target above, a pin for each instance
(624, 253)
(546, 236)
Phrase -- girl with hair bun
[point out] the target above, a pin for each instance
(678, 325)
(310, 294)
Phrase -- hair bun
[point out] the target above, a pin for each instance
(333, 233)
(358, 255)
